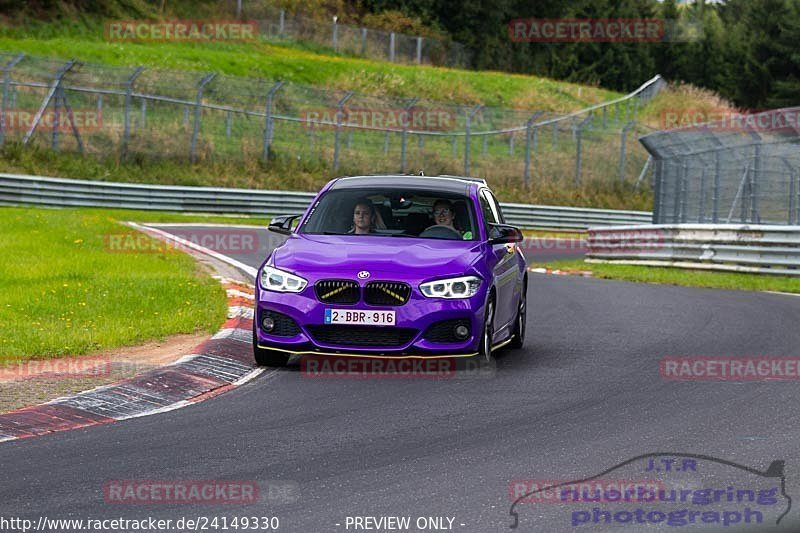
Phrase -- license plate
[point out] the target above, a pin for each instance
(361, 318)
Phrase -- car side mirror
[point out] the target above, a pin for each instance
(503, 233)
(283, 224)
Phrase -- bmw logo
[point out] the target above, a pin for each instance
(364, 274)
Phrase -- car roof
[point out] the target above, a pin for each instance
(454, 184)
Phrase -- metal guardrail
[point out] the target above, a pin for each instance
(60, 192)
(762, 249)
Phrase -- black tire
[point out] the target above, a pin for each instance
(265, 356)
(487, 337)
(520, 320)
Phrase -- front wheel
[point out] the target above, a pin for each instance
(520, 322)
(487, 338)
(265, 356)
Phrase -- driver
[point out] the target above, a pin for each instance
(364, 219)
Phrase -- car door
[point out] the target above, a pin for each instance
(504, 267)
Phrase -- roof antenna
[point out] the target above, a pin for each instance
(421, 173)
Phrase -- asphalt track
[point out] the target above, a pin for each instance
(584, 395)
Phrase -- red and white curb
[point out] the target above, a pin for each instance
(220, 364)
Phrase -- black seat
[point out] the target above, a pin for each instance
(461, 215)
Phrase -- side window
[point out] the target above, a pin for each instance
(495, 206)
(490, 215)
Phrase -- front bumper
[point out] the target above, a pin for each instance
(415, 318)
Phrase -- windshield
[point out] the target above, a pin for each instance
(393, 212)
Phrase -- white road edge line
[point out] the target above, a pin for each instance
(205, 225)
(202, 249)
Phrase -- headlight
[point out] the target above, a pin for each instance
(273, 279)
(464, 287)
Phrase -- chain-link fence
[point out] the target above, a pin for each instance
(743, 168)
(142, 113)
(277, 24)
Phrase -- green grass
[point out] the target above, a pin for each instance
(62, 292)
(261, 59)
(682, 276)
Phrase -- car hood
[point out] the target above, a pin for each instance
(318, 256)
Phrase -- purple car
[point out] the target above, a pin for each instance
(392, 267)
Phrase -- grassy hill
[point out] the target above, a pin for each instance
(63, 31)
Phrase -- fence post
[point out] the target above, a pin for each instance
(715, 199)
(579, 149)
(335, 35)
(338, 127)
(364, 42)
(792, 205)
(701, 211)
(528, 128)
(238, 9)
(228, 124)
(605, 113)
(281, 22)
(645, 168)
(454, 142)
(56, 118)
(268, 121)
(755, 216)
(676, 207)
(143, 114)
(797, 201)
(622, 150)
(197, 112)
(554, 140)
(56, 83)
(6, 86)
(684, 191)
(466, 137)
(404, 138)
(391, 47)
(419, 50)
(659, 196)
(126, 129)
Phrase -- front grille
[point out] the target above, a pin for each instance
(345, 335)
(386, 293)
(444, 331)
(337, 291)
(285, 326)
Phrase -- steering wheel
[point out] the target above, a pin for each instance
(441, 232)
